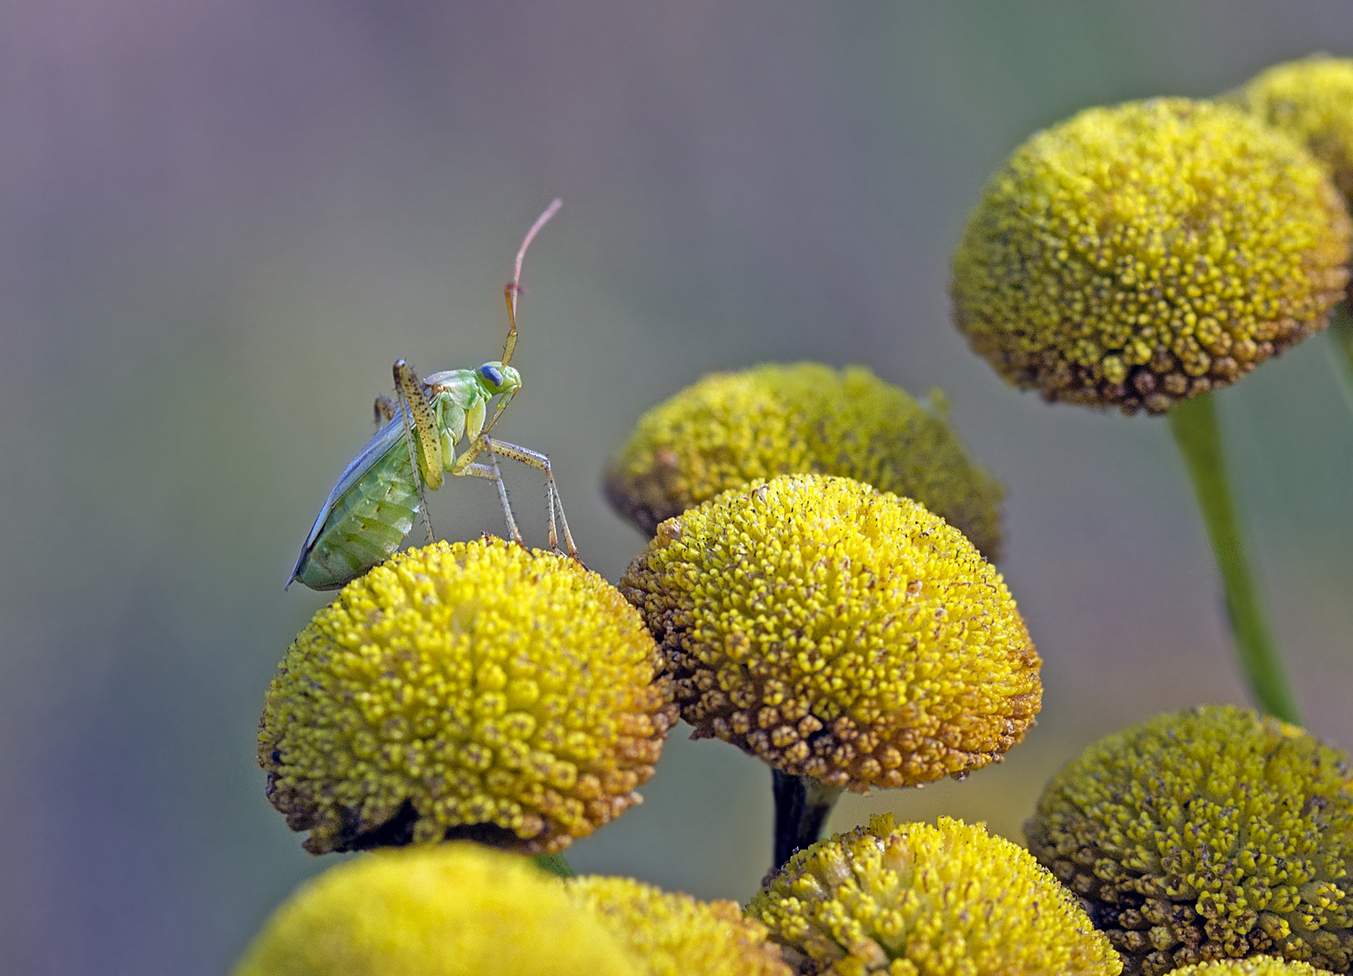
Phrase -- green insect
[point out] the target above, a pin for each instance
(372, 508)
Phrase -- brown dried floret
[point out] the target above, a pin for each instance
(804, 418)
(1140, 255)
(474, 690)
(1207, 834)
(837, 632)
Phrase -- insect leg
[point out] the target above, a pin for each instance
(384, 409)
(541, 462)
(491, 472)
(424, 429)
(419, 420)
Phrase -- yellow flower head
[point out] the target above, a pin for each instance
(1253, 966)
(448, 910)
(676, 935)
(1141, 255)
(732, 428)
(1206, 834)
(837, 632)
(917, 900)
(471, 690)
(1312, 101)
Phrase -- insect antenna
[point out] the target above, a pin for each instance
(514, 286)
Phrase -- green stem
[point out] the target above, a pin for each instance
(555, 864)
(1340, 344)
(1194, 424)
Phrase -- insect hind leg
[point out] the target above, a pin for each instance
(541, 462)
(492, 473)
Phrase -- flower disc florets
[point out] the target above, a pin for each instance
(1203, 835)
(917, 900)
(470, 690)
(1141, 255)
(1312, 101)
(1253, 966)
(450, 910)
(677, 935)
(733, 428)
(837, 632)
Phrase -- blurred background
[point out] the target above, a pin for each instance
(222, 220)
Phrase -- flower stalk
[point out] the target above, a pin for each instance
(1194, 425)
(802, 806)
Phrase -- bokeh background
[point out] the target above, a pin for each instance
(222, 220)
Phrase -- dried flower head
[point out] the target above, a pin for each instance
(949, 900)
(1312, 101)
(448, 910)
(838, 632)
(733, 428)
(1207, 834)
(470, 690)
(677, 935)
(1140, 255)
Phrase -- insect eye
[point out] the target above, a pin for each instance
(492, 374)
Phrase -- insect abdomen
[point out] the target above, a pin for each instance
(365, 525)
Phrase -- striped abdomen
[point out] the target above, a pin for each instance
(365, 517)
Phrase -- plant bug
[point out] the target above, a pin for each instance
(372, 508)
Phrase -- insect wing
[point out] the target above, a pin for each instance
(389, 437)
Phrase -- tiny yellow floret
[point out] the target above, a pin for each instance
(448, 910)
(917, 900)
(1144, 254)
(474, 690)
(676, 935)
(1312, 101)
(1208, 834)
(732, 428)
(837, 632)
(1253, 966)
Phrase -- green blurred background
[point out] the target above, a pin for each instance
(222, 220)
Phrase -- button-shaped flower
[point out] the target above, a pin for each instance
(675, 934)
(948, 900)
(449, 910)
(1312, 101)
(470, 690)
(1207, 834)
(837, 632)
(1253, 966)
(732, 428)
(1140, 255)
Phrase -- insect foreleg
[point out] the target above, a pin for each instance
(498, 411)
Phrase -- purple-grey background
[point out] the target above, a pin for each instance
(222, 220)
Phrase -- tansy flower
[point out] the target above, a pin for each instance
(733, 428)
(1206, 834)
(676, 935)
(470, 690)
(917, 900)
(1140, 255)
(1253, 966)
(837, 632)
(448, 910)
(1312, 101)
